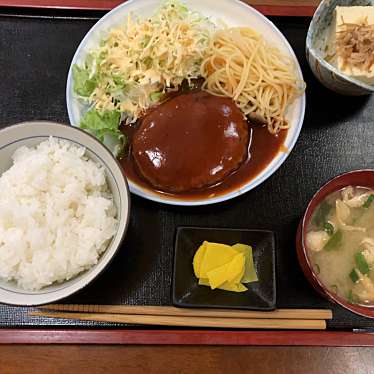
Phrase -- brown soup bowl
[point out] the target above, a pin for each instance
(363, 178)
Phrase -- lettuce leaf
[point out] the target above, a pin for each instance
(155, 96)
(83, 84)
(104, 125)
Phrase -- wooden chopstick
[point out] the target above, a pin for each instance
(160, 320)
(193, 312)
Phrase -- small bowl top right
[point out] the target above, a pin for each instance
(333, 69)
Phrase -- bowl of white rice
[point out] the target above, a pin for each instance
(64, 210)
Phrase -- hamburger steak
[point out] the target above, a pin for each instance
(191, 141)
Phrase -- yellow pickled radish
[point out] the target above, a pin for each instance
(199, 255)
(220, 266)
(235, 287)
(216, 255)
(227, 286)
(204, 282)
(235, 269)
(218, 276)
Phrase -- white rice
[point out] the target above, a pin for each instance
(56, 214)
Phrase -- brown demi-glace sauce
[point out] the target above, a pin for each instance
(262, 146)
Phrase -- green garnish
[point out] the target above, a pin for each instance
(329, 228)
(361, 263)
(117, 87)
(105, 127)
(84, 85)
(353, 275)
(368, 201)
(352, 299)
(317, 268)
(334, 241)
(155, 96)
(334, 288)
(320, 216)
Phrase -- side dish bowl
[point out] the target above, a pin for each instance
(362, 178)
(186, 292)
(232, 13)
(316, 41)
(31, 134)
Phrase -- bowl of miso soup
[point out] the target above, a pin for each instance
(335, 241)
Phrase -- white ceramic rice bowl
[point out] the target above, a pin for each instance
(31, 134)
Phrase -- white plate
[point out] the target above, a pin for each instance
(233, 13)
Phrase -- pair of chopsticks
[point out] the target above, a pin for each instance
(302, 319)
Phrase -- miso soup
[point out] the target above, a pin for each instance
(340, 243)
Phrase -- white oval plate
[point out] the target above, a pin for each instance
(233, 13)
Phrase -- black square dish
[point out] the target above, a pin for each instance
(261, 295)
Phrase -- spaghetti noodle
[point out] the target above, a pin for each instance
(261, 80)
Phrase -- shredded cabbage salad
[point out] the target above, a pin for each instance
(136, 64)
